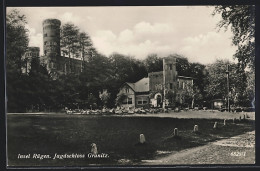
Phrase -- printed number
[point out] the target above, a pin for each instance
(236, 153)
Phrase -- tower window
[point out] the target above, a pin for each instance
(170, 66)
(170, 85)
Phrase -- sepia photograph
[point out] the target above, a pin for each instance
(91, 86)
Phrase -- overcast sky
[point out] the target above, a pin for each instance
(140, 31)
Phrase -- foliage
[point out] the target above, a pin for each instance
(16, 40)
(69, 40)
(241, 18)
(85, 44)
(16, 45)
(153, 63)
(120, 98)
(104, 96)
(217, 87)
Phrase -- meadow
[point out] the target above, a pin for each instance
(118, 137)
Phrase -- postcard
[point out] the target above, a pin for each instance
(91, 86)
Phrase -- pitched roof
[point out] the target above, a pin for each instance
(132, 85)
(140, 86)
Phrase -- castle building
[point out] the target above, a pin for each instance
(55, 63)
(32, 52)
(159, 89)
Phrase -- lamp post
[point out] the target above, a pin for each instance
(227, 72)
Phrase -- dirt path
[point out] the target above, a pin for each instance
(235, 150)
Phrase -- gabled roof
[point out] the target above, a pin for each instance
(131, 85)
(140, 86)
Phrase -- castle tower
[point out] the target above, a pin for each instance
(51, 37)
(169, 76)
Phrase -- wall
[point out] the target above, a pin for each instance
(32, 52)
(130, 94)
(182, 83)
(155, 81)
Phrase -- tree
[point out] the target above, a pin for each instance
(104, 96)
(16, 40)
(120, 98)
(217, 82)
(85, 44)
(153, 63)
(241, 18)
(70, 41)
(16, 45)
(190, 93)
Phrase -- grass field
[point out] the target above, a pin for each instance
(116, 136)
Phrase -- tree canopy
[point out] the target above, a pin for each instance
(241, 19)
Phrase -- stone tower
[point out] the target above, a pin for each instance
(51, 37)
(169, 75)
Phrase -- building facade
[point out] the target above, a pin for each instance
(159, 89)
(30, 54)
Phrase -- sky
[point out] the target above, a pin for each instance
(138, 31)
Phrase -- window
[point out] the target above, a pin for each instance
(45, 43)
(170, 66)
(170, 85)
(127, 90)
(129, 101)
(142, 101)
(45, 35)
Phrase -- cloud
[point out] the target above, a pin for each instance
(156, 28)
(126, 36)
(70, 17)
(35, 39)
(205, 48)
(139, 31)
(143, 39)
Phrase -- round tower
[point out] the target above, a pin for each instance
(51, 37)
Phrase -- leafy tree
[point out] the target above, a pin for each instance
(241, 18)
(217, 87)
(16, 40)
(16, 45)
(85, 46)
(104, 96)
(70, 41)
(120, 98)
(153, 63)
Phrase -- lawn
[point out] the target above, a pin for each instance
(116, 136)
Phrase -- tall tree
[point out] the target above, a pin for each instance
(70, 41)
(217, 87)
(16, 45)
(85, 46)
(241, 18)
(16, 40)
